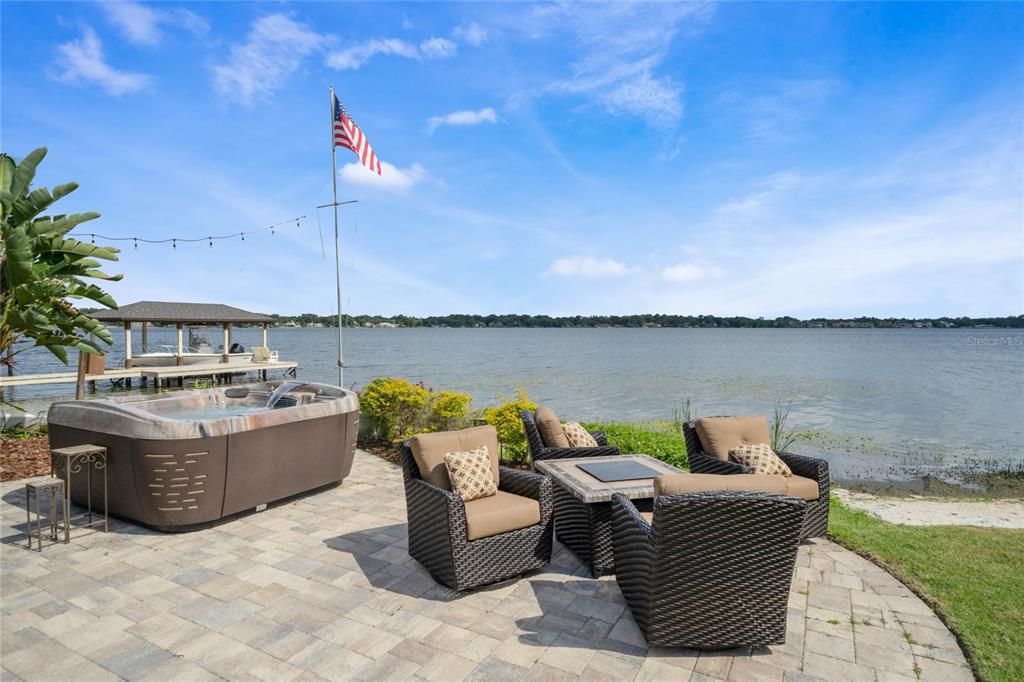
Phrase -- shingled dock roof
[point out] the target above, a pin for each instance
(192, 313)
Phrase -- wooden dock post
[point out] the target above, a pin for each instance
(180, 360)
(128, 345)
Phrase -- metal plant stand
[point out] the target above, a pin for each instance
(35, 490)
(72, 460)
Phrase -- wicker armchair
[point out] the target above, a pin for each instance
(816, 520)
(539, 451)
(708, 570)
(438, 530)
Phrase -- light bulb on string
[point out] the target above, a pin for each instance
(211, 241)
(243, 236)
(136, 243)
(174, 243)
(93, 238)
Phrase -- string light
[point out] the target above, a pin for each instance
(173, 241)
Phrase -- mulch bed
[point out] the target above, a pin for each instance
(24, 457)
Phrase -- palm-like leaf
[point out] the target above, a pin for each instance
(41, 269)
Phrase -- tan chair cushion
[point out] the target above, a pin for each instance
(470, 473)
(719, 435)
(578, 436)
(500, 513)
(429, 449)
(648, 516)
(760, 459)
(798, 486)
(550, 428)
(676, 484)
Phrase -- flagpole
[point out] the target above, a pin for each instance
(337, 248)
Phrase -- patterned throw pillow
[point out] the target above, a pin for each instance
(470, 473)
(578, 436)
(760, 458)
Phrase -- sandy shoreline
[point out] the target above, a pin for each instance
(915, 510)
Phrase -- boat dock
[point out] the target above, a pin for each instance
(221, 373)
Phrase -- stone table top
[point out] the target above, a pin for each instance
(589, 490)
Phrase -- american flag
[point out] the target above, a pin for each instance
(348, 135)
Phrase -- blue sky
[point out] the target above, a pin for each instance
(755, 159)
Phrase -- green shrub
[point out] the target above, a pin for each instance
(509, 425)
(397, 408)
(448, 410)
(655, 438)
(394, 406)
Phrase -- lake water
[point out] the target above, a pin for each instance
(883, 403)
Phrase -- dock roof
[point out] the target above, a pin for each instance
(191, 313)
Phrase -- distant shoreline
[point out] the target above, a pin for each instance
(641, 321)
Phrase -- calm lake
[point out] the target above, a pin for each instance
(882, 404)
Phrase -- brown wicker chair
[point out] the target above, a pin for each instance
(708, 570)
(438, 530)
(816, 520)
(540, 451)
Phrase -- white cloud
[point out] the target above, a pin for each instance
(463, 118)
(82, 61)
(473, 34)
(587, 266)
(779, 111)
(931, 228)
(141, 24)
(356, 56)
(438, 48)
(391, 179)
(275, 49)
(689, 272)
(622, 45)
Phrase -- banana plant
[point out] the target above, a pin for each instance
(42, 269)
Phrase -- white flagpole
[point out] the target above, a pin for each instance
(337, 248)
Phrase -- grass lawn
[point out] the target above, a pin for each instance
(655, 438)
(972, 576)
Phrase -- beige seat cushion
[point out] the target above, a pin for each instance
(578, 436)
(759, 459)
(719, 435)
(429, 449)
(648, 516)
(676, 484)
(500, 513)
(798, 486)
(550, 428)
(470, 473)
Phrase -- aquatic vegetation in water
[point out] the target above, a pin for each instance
(783, 437)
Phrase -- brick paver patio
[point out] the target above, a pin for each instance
(322, 587)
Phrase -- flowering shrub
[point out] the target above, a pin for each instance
(448, 410)
(509, 425)
(397, 408)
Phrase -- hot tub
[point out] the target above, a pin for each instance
(190, 458)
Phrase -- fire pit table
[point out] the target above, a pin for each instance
(583, 510)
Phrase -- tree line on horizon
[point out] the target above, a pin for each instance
(642, 320)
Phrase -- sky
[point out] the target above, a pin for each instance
(759, 159)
